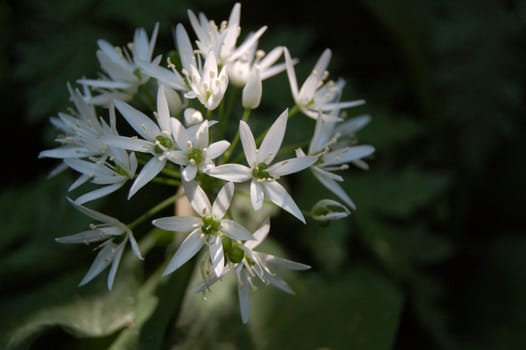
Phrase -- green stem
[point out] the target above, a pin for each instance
(165, 181)
(228, 153)
(154, 210)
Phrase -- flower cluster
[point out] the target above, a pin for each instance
(178, 118)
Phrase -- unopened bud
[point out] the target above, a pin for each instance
(328, 209)
(252, 90)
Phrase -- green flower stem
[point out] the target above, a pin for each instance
(154, 210)
(165, 181)
(228, 153)
(150, 98)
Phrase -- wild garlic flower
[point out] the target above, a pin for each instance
(81, 131)
(248, 264)
(194, 154)
(111, 174)
(123, 74)
(115, 235)
(332, 158)
(222, 40)
(209, 228)
(315, 96)
(158, 139)
(264, 176)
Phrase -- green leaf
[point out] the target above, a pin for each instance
(397, 194)
(358, 309)
(90, 311)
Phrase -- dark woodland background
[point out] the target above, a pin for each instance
(434, 257)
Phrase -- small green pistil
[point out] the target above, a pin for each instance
(165, 141)
(195, 156)
(232, 250)
(260, 171)
(210, 225)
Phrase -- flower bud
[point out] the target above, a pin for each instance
(175, 105)
(192, 117)
(328, 209)
(252, 90)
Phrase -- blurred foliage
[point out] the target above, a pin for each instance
(431, 259)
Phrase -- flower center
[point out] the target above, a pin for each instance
(162, 142)
(195, 156)
(232, 250)
(260, 171)
(210, 225)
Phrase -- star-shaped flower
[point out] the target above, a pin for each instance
(208, 228)
(115, 235)
(247, 264)
(264, 176)
(315, 96)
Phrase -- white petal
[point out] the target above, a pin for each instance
(251, 95)
(290, 166)
(257, 194)
(248, 142)
(180, 134)
(352, 125)
(138, 120)
(148, 172)
(184, 47)
(279, 196)
(197, 198)
(190, 246)
(293, 82)
(243, 291)
(217, 148)
(167, 77)
(260, 234)
(95, 214)
(98, 193)
(278, 283)
(273, 139)
(231, 172)
(222, 201)
(346, 155)
(217, 257)
(135, 246)
(65, 152)
(102, 260)
(335, 188)
(323, 62)
(341, 105)
(115, 264)
(163, 113)
(235, 231)
(128, 143)
(84, 237)
(178, 223)
(189, 172)
(281, 262)
(201, 135)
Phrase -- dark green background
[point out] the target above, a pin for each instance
(432, 259)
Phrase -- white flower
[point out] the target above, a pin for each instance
(315, 96)
(102, 172)
(239, 70)
(192, 116)
(115, 235)
(248, 264)
(332, 158)
(262, 174)
(157, 138)
(222, 40)
(209, 228)
(207, 84)
(122, 68)
(195, 153)
(81, 131)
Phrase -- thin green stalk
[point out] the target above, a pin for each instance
(154, 210)
(165, 181)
